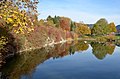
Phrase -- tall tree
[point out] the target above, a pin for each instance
(72, 26)
(56, 21)
(100, 27)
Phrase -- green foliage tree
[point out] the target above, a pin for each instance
(50, 21)
(49, 18)
(56, 21)
(100, 27)
(96, 30)
(72, 27)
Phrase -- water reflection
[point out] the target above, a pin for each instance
(79, 46)
(25, 63)
(100, 50)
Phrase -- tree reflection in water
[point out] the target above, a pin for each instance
(26, 62)
(100, 50)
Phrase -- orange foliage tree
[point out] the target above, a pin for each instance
(65, 23)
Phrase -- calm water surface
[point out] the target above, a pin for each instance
(79, 60)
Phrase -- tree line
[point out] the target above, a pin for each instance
(101, 27)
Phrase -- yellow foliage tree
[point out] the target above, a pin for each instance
(112, 27)
(16, 20)
(82, 29)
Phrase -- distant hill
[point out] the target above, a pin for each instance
(90, 25)
(118, 28)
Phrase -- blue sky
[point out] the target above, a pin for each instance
(88, 11)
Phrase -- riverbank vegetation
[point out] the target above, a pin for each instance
(20, 28)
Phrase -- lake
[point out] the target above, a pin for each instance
(76, 60)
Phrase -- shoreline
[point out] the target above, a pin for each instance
(45, 45)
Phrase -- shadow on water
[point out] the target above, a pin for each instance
(10, 48)
(25, 63)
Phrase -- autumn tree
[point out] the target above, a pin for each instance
(16, 17)
(41, 22)
(112, 27)
(65, 23)
(82, 29)
(19, 16)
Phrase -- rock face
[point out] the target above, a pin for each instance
(118, 28)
